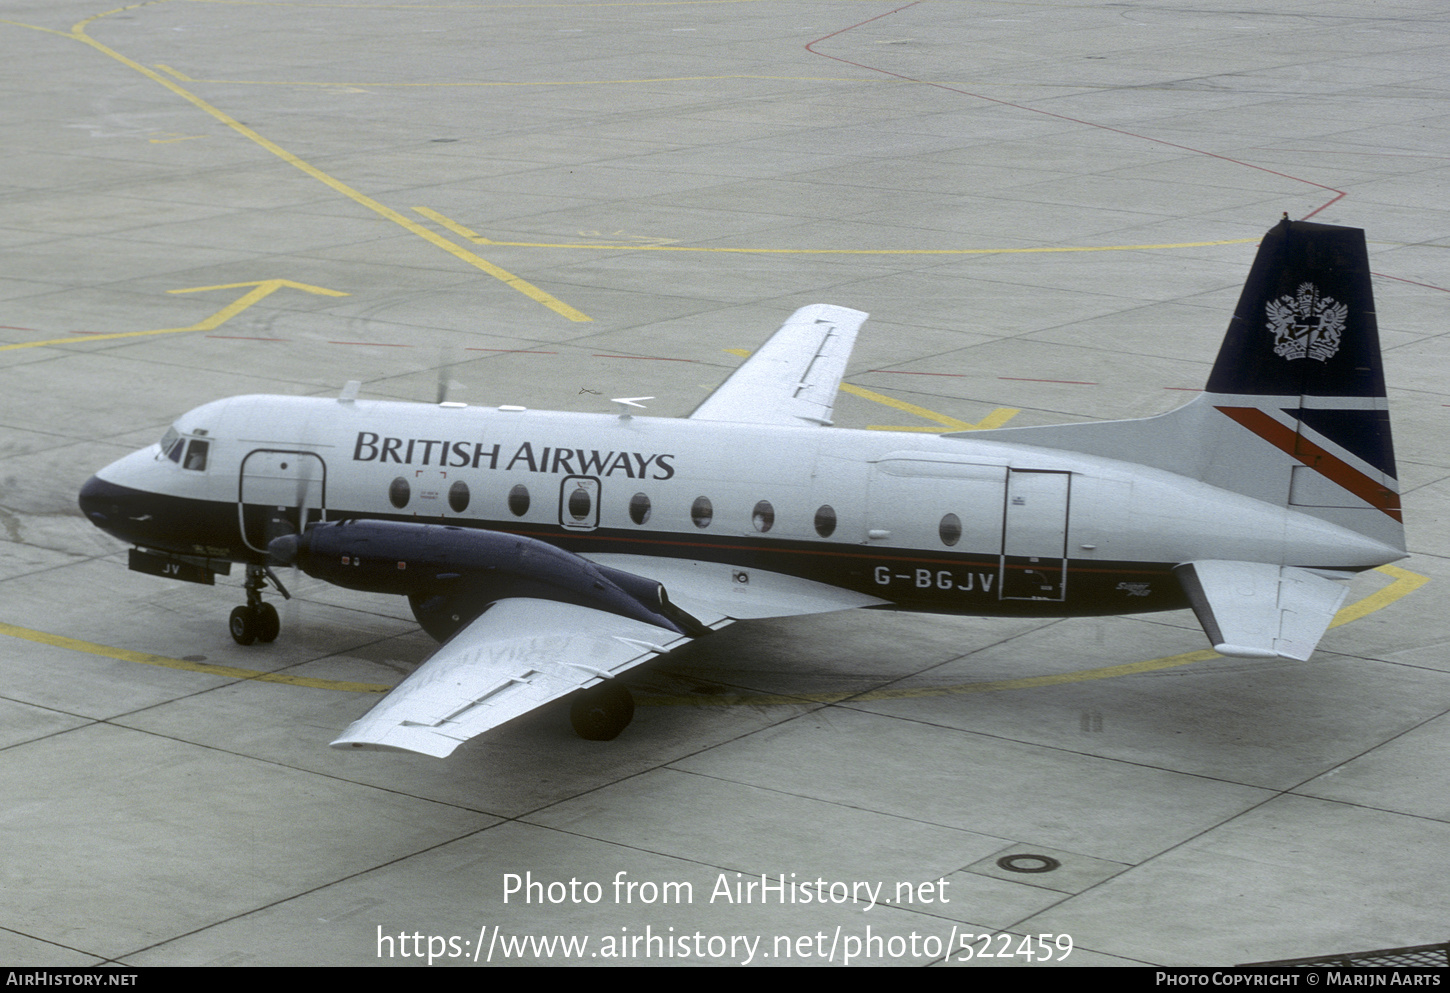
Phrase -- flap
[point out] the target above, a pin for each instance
(517, 656)
(792, 378)
(1261, 610)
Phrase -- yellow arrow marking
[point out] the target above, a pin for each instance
(261, 289)
(78, 33)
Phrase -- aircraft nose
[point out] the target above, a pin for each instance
(283, 550)
(100, 502)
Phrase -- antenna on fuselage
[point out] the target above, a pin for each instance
(625, 403)
(447, 359)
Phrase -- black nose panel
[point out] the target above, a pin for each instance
(161, 521)
(102, 502)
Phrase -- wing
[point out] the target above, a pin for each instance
(1261, 610)
(793, 377)
(515, 657)
(523, 653)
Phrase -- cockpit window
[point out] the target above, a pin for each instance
(171, 444)
(196, 455)
(174, 444)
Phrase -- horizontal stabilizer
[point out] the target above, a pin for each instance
(792, 378)
(1261, 610)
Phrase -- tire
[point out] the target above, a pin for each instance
(243, 626)
(268, 624)
(602, 712)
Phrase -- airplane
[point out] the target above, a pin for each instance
(551, 552)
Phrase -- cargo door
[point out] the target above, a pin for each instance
(1034, 535)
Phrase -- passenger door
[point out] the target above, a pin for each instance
(281, 491)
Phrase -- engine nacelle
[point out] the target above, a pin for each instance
(451, 574)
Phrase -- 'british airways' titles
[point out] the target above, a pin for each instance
(371, 447)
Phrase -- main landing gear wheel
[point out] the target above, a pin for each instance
(257, 621)
(269, 625)
(243, 627)
(601, 712)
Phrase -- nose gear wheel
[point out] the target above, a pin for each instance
(258, 620)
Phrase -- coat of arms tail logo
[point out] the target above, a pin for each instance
(1306, 324)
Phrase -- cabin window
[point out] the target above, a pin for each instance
(458, 497)
(196, 456)
(950, 529)
(701, 512)
(826, 521)
(580, 503)
(519, 500)
(398, 492)
(763, 516)
(639, 508)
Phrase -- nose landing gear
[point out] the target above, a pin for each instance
(257, 621)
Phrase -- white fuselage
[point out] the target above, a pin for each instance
(925, 522)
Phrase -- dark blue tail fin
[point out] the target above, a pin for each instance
(1295, 411)
(1301, 369)
(1305, 331)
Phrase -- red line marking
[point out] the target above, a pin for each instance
(1187, 389)
(1338, 194)
(646, 358)
(903, 372)
(1401, 279)
(11, 327)
(1024, 379)
(853, 27)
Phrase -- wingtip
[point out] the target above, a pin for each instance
(1253, 652)
(398, 740)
